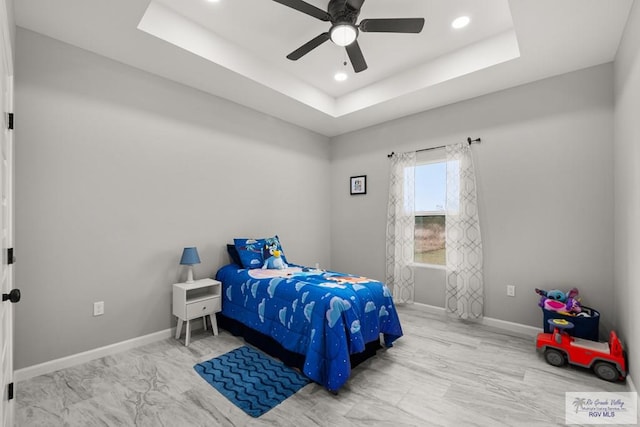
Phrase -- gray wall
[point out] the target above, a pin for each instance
(11, 25)
(117, 170)
(545, 184)
(627, 189)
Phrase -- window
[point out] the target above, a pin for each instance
(431, 207)
(430, 242)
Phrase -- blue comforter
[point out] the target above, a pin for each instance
(326, 316)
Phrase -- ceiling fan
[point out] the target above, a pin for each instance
(344, 31)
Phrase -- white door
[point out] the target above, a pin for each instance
(6, 223)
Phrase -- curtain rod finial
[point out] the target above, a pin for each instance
(471, 141)
(391, 154)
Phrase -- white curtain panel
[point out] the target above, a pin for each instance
(464, 287)
(401, 226)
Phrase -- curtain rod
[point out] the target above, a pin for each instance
(469, 140)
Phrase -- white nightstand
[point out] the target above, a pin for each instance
(198, 299)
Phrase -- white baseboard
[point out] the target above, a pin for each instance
(632, 388)
(527, 330)
(430, 308)
(489, 321)
(86, 356)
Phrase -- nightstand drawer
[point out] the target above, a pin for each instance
(203, 307)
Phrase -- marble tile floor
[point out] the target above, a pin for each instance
(443, 372)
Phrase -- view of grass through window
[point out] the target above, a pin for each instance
(429, 207)
(429, 242)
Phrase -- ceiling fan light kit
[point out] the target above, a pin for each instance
(343, 34)
(344, 31)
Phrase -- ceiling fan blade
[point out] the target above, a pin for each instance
(308, 47)
(392, 25)
(356, 57)
(355, 4)
(305, 7)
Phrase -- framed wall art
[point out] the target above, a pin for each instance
(358, 184)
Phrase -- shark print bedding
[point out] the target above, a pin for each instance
(323, 315)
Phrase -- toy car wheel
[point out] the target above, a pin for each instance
(554, 357)
(606, 371)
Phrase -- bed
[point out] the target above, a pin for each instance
(325, 317)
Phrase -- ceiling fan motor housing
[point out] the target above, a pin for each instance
(341, 11)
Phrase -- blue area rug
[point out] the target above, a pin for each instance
(250, 379)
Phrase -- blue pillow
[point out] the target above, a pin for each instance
(250, 252)
(273, 243)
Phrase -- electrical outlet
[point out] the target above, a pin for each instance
(511, 291)
(98, 308)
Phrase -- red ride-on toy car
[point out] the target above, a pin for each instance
(608, 360)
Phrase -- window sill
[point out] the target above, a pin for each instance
(431, 266)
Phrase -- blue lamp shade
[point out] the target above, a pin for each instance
(190, 256)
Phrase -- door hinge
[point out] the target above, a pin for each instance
(10, 391)
(10, 121)
(10, 257)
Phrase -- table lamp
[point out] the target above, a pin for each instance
(189, 258)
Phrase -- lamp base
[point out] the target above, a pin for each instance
(190, 274)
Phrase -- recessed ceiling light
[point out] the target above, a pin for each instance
(460, 22)
(213, 1)
(340, 76)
